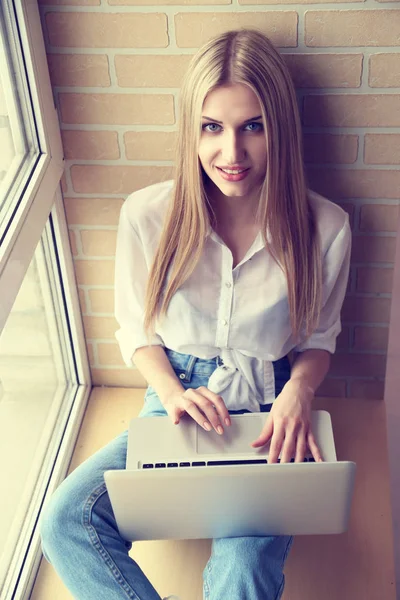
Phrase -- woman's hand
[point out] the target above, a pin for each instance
(202, 405)
(289, 425)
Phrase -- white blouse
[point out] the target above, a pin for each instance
(240, 314)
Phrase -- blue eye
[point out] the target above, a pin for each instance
(211, 127)
(254, 126)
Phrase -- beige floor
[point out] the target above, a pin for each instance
(356, 565)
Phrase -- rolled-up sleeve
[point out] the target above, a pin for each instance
(131, 273)
(335, 274)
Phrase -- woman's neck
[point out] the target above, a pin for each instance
(239, 211)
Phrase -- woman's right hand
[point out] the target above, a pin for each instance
(202, 405)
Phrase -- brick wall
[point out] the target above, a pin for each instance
(116, 67)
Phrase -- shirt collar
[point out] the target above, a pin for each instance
(257, 245)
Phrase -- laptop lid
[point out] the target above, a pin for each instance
(232, 501)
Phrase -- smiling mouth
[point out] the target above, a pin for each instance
(233, 175)
(232, 171)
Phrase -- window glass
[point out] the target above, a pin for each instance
(33, 381)
(19, 146)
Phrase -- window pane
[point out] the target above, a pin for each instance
(19, 146)
(35, 372)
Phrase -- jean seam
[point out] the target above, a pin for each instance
(198, 370)
(280, 590)
(206, 586)
(197, 366)
(288, 546)
(189, 369)
(96, 543)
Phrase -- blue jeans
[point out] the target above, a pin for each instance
(81, 539)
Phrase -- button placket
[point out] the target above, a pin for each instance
(225, 301)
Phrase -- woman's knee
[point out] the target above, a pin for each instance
(252, 551)
(58, 519)
(62, 521)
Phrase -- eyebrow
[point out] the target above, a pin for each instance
(221, 123)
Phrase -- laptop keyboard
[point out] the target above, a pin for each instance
(213, 463)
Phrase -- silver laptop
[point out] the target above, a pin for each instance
(182, 482)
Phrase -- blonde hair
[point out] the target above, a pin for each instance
(248, 57)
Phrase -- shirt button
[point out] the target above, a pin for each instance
(182, 376)
(228, 284)
(224, 322)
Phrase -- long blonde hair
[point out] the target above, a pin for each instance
(243, 56)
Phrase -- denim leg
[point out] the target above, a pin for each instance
(81, 539)
(79, 533)
(240, 568)
(246, 568)
(80, 536)
(249, 568)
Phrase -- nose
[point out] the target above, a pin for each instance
(233, 150)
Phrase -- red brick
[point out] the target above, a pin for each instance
(358, 365)
(90, 145)
(332, 388)
(379, 217)
(370, 390)
(79, 70)
(330, 148)
(371, 338)
(382, 149)
(93, 179)
(343, 28)
(325, 70)
(343, 339)
(375, 280)
(362, 309)
(369, 248)
(355, 183)
(352, 110)
(107, 30)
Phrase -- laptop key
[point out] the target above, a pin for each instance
(160, 465)
(172, 464)
(148, 466)
(198, 464)
(255, 461)
(184, 464)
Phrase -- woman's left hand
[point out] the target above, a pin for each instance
(289, 425)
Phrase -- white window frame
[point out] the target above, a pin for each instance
(19, 240)
(392, 386)
(38, 198)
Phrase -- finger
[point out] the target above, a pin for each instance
(207, 408)
(265, 434)
(175, 413)
(276, 444)
(289, 445)
(301, 446)
(190, 407)
(218, 402)
(312, 444)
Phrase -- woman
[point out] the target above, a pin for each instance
(219, 276)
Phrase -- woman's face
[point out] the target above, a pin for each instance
(233, 146)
